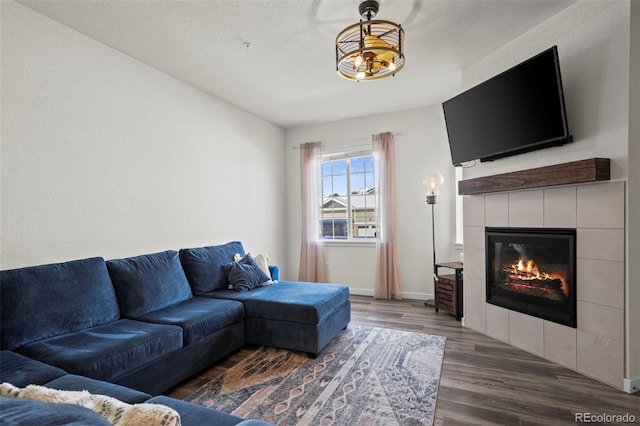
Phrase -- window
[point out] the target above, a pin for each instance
(348, 210)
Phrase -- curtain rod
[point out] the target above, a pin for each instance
(347, 140)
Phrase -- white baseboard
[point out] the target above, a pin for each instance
(632, 385)
(405, 295)
(417, 296)
(361, 291)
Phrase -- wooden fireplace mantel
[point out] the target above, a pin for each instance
(590, 170)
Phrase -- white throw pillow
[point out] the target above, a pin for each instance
(263, 262)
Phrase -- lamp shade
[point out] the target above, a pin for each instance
(432, 183)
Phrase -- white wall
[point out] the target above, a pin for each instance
(103, 155)
(421, 146)
(594, 44)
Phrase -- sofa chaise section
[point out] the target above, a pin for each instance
(299, 316)
(290, 315)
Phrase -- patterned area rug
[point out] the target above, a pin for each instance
(365, 376)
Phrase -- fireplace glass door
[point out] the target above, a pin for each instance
(532, 270)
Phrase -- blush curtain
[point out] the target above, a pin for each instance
(312, 249)
(387, 281)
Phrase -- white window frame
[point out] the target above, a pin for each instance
(344, 154)
(459, 242)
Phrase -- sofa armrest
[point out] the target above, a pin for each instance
(275, 272)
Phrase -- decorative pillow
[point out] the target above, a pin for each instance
(245, 274)
(263, 262)
(249, 259)
(113, 410)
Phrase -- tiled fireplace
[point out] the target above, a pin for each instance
(595, 346)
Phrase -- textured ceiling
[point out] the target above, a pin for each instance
(287, 75)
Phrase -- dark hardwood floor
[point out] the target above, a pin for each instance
(484, 381)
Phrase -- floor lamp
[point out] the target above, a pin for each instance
(432, 183)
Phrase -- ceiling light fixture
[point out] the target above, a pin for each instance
(371, 49)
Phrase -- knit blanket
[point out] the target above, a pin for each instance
(113, 410)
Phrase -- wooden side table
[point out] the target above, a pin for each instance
(448, 288)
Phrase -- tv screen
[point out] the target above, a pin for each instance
(519, 110)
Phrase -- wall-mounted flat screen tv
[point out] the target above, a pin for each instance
(517, 111)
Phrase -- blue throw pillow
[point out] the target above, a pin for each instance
(245, 274)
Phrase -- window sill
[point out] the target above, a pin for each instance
(349, 243)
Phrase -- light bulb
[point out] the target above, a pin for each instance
(392, 66)
(361, 75)
(358, 61)
(432, 183)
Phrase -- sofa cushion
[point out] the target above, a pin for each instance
(14, 411)
(245, 274)
(21, 371)
(71, 382)
(203, 265)
(198, 317)
(39, 302)
(148, 283)
(307, 303)
(107, 351)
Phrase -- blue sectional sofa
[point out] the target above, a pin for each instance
(148, 322)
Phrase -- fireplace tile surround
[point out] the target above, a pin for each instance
(596, 347)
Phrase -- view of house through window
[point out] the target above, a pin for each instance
(348, 208)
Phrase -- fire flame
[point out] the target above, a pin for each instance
(528, 270)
